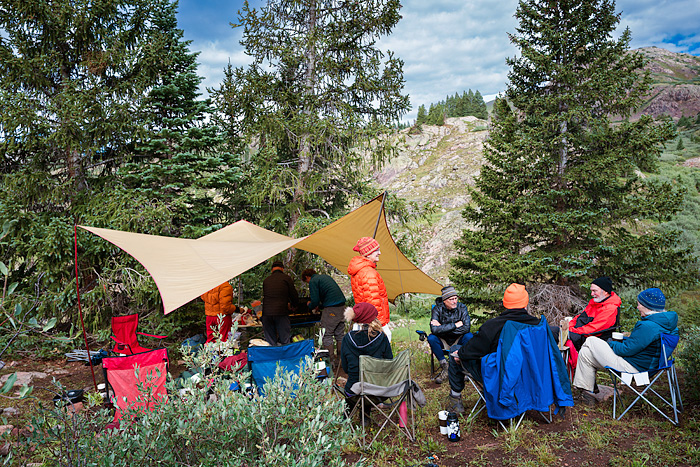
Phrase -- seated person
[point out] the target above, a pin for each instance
(368, 340)
(218, 308)
(449, 322)
(600, 313)
(639, 352)
(467, 358)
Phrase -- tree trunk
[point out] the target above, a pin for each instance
(305, 154)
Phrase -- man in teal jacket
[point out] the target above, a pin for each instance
(637, 353)
(325, 294)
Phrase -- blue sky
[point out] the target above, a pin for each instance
(447, 46)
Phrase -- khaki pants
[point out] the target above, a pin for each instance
(596, 354)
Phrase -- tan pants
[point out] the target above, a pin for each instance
(596, 354)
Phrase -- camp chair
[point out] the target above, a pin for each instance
(382, 380)
(423, 336)
(648, 379)
(263, 361)
(135, 382)
(125, 335)
(604, 334)
(525, 373)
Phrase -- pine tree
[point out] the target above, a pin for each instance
(75, 80)
(317, 95)
(422, 115)
(680, 146)
(558, 200)
(480, 110)
(188, 167)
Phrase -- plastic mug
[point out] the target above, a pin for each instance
(618, 336)
(442, 418)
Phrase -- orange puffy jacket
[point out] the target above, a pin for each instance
(368, 286)
(219, 300)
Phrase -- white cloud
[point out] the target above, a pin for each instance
(447, 46)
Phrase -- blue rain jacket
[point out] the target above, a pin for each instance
(525, 373)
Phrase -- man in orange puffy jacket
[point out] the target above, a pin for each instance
(367, 284)
(218, 308)
(600, 314)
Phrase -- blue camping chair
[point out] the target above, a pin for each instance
(264, 361)
(525, 373)
(666, 368)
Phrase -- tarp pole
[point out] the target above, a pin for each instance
(379, 216)
(80, 309)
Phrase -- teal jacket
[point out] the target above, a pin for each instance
(324, 292)
(643, 347)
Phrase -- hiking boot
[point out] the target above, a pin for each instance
(454, 404)
(442, 376)
(586, 398)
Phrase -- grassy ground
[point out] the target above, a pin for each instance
(583, 437)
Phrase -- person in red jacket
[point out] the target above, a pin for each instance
(367, 284)
(218, 308)
(600, 313)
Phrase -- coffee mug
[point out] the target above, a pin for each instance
(442, 418)
(617, 336)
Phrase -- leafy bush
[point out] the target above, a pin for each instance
(298, 422)
(689, 358)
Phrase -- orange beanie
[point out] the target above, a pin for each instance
(516, 296)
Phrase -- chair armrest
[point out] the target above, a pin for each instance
(601, 331)
(151, 335)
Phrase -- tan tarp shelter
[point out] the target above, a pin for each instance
(183, 269)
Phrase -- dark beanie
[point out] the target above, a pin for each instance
(278, 264)
(604, 283)
(652, 299)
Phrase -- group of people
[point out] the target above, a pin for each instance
(636, 353)
(280, 299)
(589, 331)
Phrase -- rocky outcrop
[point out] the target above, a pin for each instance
(434, 168)
(676, 84)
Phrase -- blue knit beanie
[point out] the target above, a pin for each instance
(653, 299)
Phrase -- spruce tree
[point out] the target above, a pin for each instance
(81, 88)
(558, 200)
(188, 167)
(480, 110)
(422, 115)
(316, 99)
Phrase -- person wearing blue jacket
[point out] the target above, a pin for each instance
(467, 358)
(637, 353)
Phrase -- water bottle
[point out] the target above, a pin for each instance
(453, 427)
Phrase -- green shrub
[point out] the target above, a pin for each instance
(689, 358)
(298, 422)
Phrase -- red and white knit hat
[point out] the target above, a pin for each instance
(366, 245)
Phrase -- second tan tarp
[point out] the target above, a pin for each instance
(183, 269)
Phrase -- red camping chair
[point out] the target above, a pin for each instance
(124, 330)
(136, 383)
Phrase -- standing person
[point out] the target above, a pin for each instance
(218, 308)
(368, 340)
(468, 357)
(367, 283)
(449, 322)
(600, 313)
(279, 298)
(325, 294)
(636, 353)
